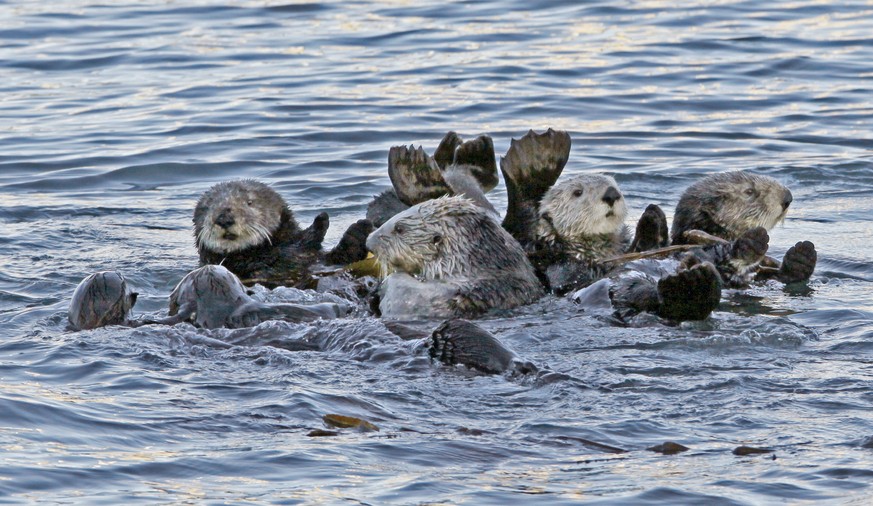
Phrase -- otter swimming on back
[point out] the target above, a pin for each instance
(448, 257)
(247, 227)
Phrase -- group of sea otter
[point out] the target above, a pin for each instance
(444, 252)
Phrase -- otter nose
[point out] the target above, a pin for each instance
(786, 199)
(225, 219)
(611, 196)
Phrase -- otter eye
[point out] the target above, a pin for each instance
(398, 229)
(250, 202)
(437, 239)
(749, 191)
(577, 192)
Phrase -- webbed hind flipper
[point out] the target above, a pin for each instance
(531, 166)
(415, 175)
(312, 237)
(478, 154)
(445, 152)
(651, 232)
(352, 246)
(462, 342)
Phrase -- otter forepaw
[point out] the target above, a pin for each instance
(691, 294)
(751, 247)
(352, 246)
(798, 263)
(651, 232)
(312, 237)
(462, 342)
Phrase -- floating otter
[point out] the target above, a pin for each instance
(209, 297)
(727, 204)
(101, 299)
(247, 227)
(213, 297)
(448, 257)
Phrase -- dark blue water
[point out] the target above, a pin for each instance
(115, 116)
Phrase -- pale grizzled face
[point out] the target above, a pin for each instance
(235, 215)
(428, 240)
(742, 201)
(585, 205)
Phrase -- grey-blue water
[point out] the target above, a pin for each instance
(115, 116)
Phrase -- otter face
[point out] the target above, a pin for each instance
(740, 201)
(235, 215)
(432, 240)
(580, 207)
(103, 298)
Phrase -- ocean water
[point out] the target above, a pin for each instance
(116, 116)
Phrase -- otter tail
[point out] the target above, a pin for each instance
(530, 167)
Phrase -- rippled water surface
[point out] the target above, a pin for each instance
(116, 116)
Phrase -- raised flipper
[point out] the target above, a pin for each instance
(691, 294)
(798, 263)
(531, 166)
(462, 181)
(312, 237)
(415, 175)
(462, 342)
(445, 152)
(352, 246)
(652, 231)
(478, 154)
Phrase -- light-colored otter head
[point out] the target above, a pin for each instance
(235, 215)
(581, 207)
(728, 204)
(211, 293)
(103, 298)
(443, 238)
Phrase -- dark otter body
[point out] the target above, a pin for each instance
(247, 227)
(728, 204)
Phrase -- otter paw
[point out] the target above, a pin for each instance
(798, 263)
(462, 342)
(691, 294)
(751, 247)
(651, 232)
(352, 247)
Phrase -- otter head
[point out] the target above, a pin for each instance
(103, 298)
(235, 215)
(211, 292)
(728, 204)
(580, 207)
(436, 239)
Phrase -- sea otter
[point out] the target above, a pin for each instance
(101, 299)
(727, 204)
(213, 297)
(247, 227)
(449, 257)
(209, 297)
